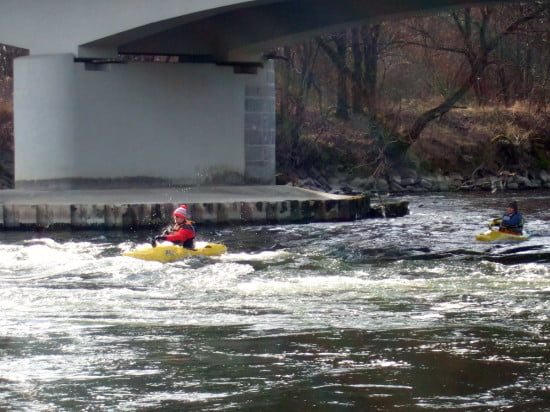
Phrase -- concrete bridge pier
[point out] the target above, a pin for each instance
(82, 124)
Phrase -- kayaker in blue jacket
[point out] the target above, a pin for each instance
(511, 222)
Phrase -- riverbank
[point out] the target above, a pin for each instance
(410, 181)
(471, 149)
(131, 209)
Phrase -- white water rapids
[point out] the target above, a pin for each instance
(409, 313)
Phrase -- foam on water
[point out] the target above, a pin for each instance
(372, 306)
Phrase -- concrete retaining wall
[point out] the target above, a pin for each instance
(137, 216)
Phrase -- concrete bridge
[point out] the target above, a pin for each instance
(84, 116)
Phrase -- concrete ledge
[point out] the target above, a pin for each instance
(53, 210)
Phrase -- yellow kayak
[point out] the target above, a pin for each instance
(170, 253)
(493, 235)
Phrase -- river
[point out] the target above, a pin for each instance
(384, 314)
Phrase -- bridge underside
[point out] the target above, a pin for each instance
(82, 116)
(244, 32)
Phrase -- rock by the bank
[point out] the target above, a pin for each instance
(387, 210)
(409, 181)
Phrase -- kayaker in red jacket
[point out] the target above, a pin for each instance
(183, 231)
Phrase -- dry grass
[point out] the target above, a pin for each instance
(487, 140)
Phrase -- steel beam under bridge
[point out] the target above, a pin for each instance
(84, 117)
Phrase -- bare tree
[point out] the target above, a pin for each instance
(522, 61)
(479, 37)
(338, 56)
(295, 78)
(359, 67)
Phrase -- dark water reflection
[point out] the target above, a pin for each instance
(398, 314)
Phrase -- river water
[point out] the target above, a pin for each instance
(384, 314)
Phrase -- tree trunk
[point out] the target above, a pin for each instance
(342, 105)
(422, 121)
(357, 97)
(371, 39)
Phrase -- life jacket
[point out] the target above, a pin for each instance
(516, 229)
(188, 243)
